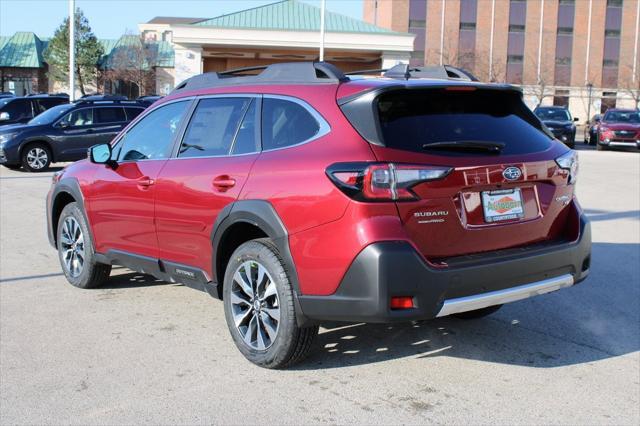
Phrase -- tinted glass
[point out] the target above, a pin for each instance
(552, 114)
(411, 119)
(622, 117)
(18, 109)
(52, 114)
(152, 137)
(247, 139)
(286, 123)
(213, 127)
(133, 113)
(79, 117)
(110, 115)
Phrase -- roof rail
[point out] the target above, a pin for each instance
(404, 72)
(106, 101)
(288, 72)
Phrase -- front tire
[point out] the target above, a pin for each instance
(75, 250)
(259, 307)
(36, 157)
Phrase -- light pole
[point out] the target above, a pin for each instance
(72, 50)
(590, 89)
(322, 11)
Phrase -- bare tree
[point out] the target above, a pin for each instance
(133, 60)
(630, 85)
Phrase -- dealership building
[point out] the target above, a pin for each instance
(579, 53)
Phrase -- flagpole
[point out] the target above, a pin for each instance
(322, 9)
(72, 50)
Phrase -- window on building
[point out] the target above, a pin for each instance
(608, 101)
(416, 23)
(565, 31)
(614, 3)
(612, 33)
(515, 59)
(516, 28)
(561, 98)
(567, 2)
(468, 26)
(610, 63)
(563, 61)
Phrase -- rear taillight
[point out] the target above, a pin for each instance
(382, 181)
(569, 162)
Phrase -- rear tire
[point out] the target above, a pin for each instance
(478, 313)
(259, 307)
(36, 157)
(75, 250)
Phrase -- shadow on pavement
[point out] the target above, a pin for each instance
(595, 320)
(600, 215)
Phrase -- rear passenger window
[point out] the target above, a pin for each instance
(109, 115)
(133, 113)
(18, 109)
(213, 127)
(286, 123)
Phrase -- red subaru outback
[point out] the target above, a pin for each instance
(301, 195)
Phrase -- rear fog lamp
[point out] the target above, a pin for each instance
(401, 302)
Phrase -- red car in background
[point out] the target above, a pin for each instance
(302, 195)
(619, 128)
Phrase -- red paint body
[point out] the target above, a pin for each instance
(173, 219)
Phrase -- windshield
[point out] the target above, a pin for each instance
(50, 115)
(553, 114)
(632, 117)
(412, 119)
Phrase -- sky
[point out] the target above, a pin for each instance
(112, 18)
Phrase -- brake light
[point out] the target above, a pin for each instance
(382, 181)
(569, 162)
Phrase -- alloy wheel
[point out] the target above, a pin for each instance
(255, 305)
(72, 246)
(37, 158)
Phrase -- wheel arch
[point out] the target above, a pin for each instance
(250, 219)
(66, 191)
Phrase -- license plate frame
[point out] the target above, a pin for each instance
(512, 209)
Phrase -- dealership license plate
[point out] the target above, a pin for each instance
(502, 205)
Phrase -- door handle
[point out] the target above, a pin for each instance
(223, 183)
(145, 182)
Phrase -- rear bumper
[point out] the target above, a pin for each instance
(387, 269)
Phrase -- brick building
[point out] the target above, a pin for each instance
(563, 52)
(22, 68)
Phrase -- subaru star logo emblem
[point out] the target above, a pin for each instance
(511, 173)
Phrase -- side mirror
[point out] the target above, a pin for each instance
(4, 116)
(576, 119)
(101, 154)
(64, 125)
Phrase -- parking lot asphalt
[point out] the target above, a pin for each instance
(142, 351)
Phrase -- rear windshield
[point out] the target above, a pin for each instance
(410, 119)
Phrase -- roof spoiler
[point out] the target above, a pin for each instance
(290, 72)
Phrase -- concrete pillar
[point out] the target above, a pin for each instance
(188, 62)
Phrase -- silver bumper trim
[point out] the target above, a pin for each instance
(479, 301)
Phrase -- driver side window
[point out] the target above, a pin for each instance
(152, 137)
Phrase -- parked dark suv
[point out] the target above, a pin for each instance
(64, 133)
(558, 120)
(302, 195)
(20, 110)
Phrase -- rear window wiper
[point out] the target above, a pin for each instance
(485, 146)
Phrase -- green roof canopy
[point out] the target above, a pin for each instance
(22, 50)
(291, 15)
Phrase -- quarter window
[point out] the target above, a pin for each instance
(286, 123)
(152, 137)
(213, 127)
(110, 115)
